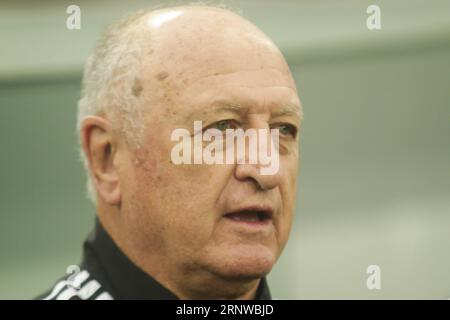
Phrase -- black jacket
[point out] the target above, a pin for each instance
(106, 273)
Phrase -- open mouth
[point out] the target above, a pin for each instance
(251, 216)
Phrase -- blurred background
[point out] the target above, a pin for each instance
(374, 186)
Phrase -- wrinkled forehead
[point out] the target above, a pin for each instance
(198, 54)
(188, 42)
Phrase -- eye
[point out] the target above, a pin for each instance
(287, 129)
(222, 125)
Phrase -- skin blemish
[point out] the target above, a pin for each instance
(137, 87)
(162, 75)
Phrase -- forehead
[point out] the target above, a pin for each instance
(239, 90)
(196, 42)
(193, 65)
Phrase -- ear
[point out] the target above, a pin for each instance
(100, 146)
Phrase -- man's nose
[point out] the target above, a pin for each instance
(257, 170)
(252, 172)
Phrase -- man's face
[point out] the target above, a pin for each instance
(182, 213)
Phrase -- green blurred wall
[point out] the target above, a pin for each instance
(374, 186)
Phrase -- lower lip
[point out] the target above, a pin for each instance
(251, 224)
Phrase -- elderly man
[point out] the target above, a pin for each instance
(183, 231)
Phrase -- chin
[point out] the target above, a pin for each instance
(244, 263)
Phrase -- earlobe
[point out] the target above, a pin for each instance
(99, 143)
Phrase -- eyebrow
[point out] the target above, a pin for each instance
(226, 106)
(288, 110)
(218, 106)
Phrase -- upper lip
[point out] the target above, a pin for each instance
(266, 210)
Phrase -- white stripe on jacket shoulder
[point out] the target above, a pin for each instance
(79, 287)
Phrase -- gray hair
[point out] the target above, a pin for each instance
(111, 84)
(109, 80)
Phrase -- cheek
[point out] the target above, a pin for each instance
(194, 195)
(289, 184)
(288, 193)
(178, 202)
